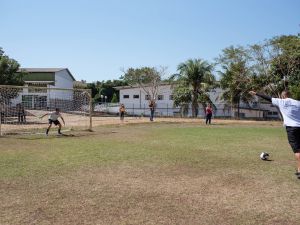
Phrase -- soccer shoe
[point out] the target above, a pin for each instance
(297, 174)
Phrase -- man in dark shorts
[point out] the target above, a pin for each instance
(208, 112)
(53, 118)
(122, 112)
(152, 109)
(290, 110)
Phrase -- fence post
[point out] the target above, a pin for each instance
(91, 110)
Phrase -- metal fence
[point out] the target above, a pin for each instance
(221, 110)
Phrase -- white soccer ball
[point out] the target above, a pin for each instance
(264, 156)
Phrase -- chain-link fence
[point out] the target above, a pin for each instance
(256, 111)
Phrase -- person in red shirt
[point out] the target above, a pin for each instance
(208, 113)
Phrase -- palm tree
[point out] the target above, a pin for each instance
(237, 82)
(197, 75)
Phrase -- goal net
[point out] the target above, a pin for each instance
(22, 107)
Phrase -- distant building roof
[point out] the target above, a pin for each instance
(45, 70)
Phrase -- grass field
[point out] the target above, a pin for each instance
(154, 173)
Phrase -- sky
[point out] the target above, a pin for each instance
(98, 39)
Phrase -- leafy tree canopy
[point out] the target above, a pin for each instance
(8, 70)
(147, 78)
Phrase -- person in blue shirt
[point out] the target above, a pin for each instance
(290, 111)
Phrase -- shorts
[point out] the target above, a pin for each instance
(293, 134)
(56, 122)
(208, 116)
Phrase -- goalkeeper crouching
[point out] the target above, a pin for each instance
(53, 118)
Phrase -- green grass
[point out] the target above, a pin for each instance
(150, 174)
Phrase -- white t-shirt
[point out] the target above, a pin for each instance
(290, 110)
(53, 116)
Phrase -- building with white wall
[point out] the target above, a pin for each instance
(46, 87)
(136, 102)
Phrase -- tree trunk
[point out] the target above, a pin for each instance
(238, 112)
(195, 104)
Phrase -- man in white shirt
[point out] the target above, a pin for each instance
(53, 118)
(290, 110)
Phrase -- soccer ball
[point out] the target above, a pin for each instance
(264, 156)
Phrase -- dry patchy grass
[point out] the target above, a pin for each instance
(150, 174)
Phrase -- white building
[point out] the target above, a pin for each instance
(46, 87)
(136, 102)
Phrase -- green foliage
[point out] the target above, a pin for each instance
(236, 76)
(276, 63)
(8, 71)
(114, 98)
(146, 78)
(9, 76)
(295, 90)
(142, 76)
(105, 88)
(194, 79)
(287, 63)
(182, 95)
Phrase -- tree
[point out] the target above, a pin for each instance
(103, 88)
(194, 79)
(182, 97)
(114, 98)
(236, 76)
(287, 63)
(8, 71)
(146, 78)
(276, 63)
(9, 76)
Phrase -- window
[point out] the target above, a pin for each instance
(160, 97)
(136, 96)
(125, 96)
(171, 97)
(147, 97)
(272, 113)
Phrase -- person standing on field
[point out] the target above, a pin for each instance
(21, 113)
(208, 113)
(53, 118)
(152, 109)
(122, 112)
(290, 110)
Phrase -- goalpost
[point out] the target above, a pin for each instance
(22, 106)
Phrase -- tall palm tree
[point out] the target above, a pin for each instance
(236, 82)
(196, 74)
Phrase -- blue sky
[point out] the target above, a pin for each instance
(95, 39)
